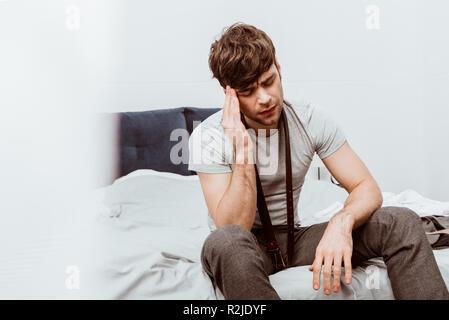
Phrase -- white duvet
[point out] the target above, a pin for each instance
(149, 228)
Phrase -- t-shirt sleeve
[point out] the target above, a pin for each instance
(326, 134)
(208, 151)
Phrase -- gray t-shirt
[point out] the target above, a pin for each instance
(311, 131)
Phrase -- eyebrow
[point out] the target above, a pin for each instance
(263, 82)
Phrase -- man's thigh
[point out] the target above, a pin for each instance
(308, 238)
(306, 241)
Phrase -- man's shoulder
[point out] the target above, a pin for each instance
(209, 149)
(301, 108)
(214, 120)
(210, 127)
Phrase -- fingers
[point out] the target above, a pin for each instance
(235, 108)
(227, 105)
(234, 128)
(327, 274)
(316, 267)
(231, 108)
(337, 273)
(348, 268)
(329, 262)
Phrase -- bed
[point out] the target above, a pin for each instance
(149, 224)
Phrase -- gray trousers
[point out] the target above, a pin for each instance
(237, 262)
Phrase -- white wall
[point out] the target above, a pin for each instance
(61, 61)
(44, 142)
(387, 86)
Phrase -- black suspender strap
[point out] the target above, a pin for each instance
(288, 188)
(272, 245)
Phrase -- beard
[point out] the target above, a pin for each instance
(270, 120)
(266, 124)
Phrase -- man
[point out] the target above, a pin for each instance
(234, 255)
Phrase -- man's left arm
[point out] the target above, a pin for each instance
(365, 197)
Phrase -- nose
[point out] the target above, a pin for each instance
(263, 97)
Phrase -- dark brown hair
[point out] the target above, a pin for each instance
(241, 55)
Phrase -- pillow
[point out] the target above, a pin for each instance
(149, 172)
(158, 199)
(145, 140)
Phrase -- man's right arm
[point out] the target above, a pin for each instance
(231, 197)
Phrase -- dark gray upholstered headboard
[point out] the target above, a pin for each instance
(145, 138)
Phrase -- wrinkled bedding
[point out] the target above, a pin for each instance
(138, 255)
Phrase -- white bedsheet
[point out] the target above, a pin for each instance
(136, 260)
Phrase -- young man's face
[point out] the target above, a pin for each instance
(267, 93)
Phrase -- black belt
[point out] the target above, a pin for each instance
(273, 248)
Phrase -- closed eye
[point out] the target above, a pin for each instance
(246, 93)
(267, 84)
(269, 81)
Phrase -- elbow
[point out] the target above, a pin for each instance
(379, 199)
(373, 192)
(243, 224)
(246, 222)
(223, 219)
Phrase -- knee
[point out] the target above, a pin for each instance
(401, 219)
(225, 240)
